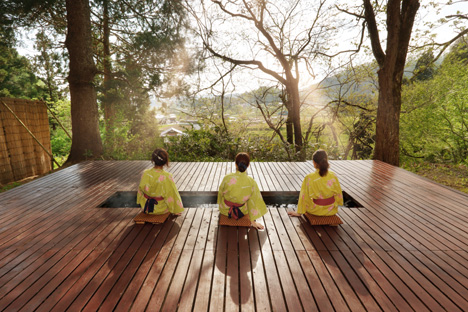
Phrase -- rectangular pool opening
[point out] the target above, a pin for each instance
(122, 199)
(127, 199)
(350, 202)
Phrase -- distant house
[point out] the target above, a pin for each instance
(171, 132)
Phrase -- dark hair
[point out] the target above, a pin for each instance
(321, 159)
(160, 157)
(242, 161)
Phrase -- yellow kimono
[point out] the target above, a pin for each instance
(239, 188)
(159, 183)
(315, 186)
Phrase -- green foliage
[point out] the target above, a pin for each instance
(452, 175)
(214, 144)
(150, 48)
(458, 53)
(424, 68)
(202, 145)
(353, 102)
(132, 138)
(144, 59)
(17, 78)
(7, 37)
(263, 148)
(147, 54)
(59, 140)
(362, 135)
(50, 67)
(61, 143)
(435, 118)
(9, 186)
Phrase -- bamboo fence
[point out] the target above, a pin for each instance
(21, 156)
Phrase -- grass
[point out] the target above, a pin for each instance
(454, 176)
(9, 186)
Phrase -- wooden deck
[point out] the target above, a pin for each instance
(405, 249)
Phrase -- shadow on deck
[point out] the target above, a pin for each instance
(404, 249)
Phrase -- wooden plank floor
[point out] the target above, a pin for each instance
(406, 249)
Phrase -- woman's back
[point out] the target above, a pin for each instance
(320, 191)
(239, 194)
(238, 186)
(322, 187)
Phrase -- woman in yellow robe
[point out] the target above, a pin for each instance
(157, 192)
(321, 191)
(239, 191)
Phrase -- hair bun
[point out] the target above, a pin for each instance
(242, 166)
(160, 157)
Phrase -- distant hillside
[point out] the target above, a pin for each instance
(318, 94)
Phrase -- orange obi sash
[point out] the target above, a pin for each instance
(150, 202)
(324, 201)
(234, 211)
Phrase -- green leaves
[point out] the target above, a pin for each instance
(17, 78)
(435, 119)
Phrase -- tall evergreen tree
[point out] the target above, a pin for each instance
(424, 68)
(17, 77)
(137, 46)
(86, 140)
(146, 50)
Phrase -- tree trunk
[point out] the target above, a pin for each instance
(348, 148)
(400, 20)
(108, 103)
(335, 136)
(295, 106)
(84, 111)
(289, 129)
(289, 125)
(387, 137)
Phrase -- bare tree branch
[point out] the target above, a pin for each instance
(458, 16)
(359, 16)
(223, 8)
(448, 43)
(309, 34)
(373, 32)
(220, 79)
(247, 62)
(353, 105)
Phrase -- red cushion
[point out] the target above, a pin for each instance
(142, 217)
(224, 220)
(323, 220)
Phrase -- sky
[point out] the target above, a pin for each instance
(249, 78)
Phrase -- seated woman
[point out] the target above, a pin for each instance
(157, 192)
(239, 194)
(320, 192)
